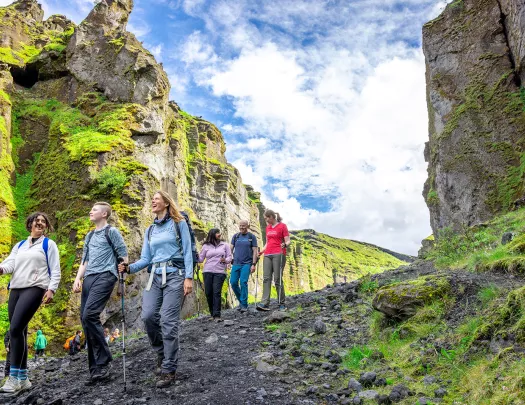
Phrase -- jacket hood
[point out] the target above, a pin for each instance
(38, 332)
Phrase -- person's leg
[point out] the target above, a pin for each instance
(218, 281)
(173, 295)
(267, 280)
(27, 303)
(151, 304)
(279, 262)
(208, 290)
(235, 275)
(245, 275)
(100, 289)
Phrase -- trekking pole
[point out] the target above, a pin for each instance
(121, 292)
(257, 274)
(280, 276)
(197, 292)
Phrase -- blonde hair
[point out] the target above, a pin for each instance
(106, 206)
(273, 214)
(172, 207)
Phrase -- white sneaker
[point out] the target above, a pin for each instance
(25, 384)
(11, 385)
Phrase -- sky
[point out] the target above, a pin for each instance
(321, 102)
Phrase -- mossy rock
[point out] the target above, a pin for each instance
(401, 301)
(505, 319)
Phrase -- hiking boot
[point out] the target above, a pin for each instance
(90, 382)
(262, 307)
(239, 308)
(282, 307)
(25, 384)
(243, 309)
(11, 385)
(158, 368)
(102, 373)
(218, 319)
(211, 318)
(165, 380)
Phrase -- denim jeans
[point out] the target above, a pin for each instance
(240, 272)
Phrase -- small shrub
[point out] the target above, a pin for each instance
(111, 181)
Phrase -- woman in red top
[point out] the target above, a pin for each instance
(277, 239)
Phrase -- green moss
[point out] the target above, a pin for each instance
(5, 97)
(432, 197)
(8, 56)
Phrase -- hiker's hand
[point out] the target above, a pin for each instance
(48, 297)
(123, 268)
(223, 260)
(252, 269)
(188, 286)
(260, 253)
(77, 285)
(283, 245)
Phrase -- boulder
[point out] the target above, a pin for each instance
(401, 301)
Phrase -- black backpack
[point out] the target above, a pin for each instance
(194, 253)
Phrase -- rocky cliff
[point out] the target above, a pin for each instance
(85, 116)
(475, 57)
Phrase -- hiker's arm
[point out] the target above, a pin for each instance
(77, 285)
(186, 248)
(145, 257)
(120, 245)
(202, 254)
(54, 266)
(8, 265)
(255, 258)
(263, 249)
(286, 237)
(228, 258)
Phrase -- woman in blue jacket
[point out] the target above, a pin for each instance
(168, 251)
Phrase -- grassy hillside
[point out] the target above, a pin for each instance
(316, 259)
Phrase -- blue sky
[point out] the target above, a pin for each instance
(321, 102)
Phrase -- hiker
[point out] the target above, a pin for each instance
(40, 344)
(168, 252)
(245, 257)
(34, 265)
(74, 343)
(7, 345)
(98, 270)
(277, 239)
(107, 335)
(115, 335)
(216, 255)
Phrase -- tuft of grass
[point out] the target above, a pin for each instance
(353, 358)
(487, 294)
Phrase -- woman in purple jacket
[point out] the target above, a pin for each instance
(217, 255)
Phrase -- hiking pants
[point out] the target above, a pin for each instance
(161, 307)
(213, 288)
(272, 266)
(22, 306)
(240, 272)
(96, 291)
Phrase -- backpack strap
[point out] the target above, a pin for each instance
(110, 242)
(88, 239)
(21, 243)
(179, 237)
(149, 231)
(45, 246)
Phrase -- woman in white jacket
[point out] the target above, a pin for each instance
(35, 268)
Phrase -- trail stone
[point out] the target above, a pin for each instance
(277, 317)
(213, 338)
(354, 385)
(440, 392)
(429, 380)
(319, 327)
(369, 394)
(368, 378)
(228, 322)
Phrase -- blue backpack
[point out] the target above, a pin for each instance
(45, 246)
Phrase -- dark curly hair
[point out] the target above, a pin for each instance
(31, 218)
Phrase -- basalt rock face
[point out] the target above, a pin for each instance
(475, 70)
(84, 117)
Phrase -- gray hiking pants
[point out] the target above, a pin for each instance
(161, 307)
(271, 267)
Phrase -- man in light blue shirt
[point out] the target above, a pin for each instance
(98, 270)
